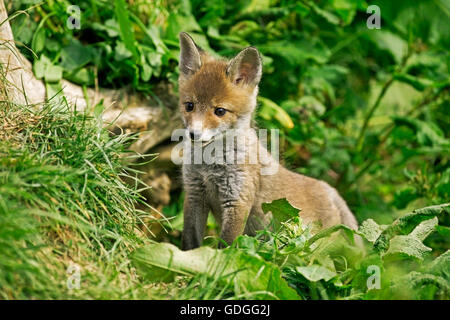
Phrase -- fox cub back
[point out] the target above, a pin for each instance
(218, 97)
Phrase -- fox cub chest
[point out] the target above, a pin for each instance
(219, 185)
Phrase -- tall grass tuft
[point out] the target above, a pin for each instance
(63, 203)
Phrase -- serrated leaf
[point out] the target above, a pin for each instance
(281, 210)
(407, 246)
(404, 225)
(424, 229)
(270, 110)
(316, 273)
(441, 266)
(370, 230)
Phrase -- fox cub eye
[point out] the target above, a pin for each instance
(189, 106)
(219, 112)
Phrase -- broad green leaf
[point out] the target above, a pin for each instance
(53, 89)
(330, 17)
(146, 72)
(411, 245)
(441, 266)
(281, 210)
(329, 231)
(256, 5)
(82, 76)
(39, 67)
(424, 229)
(53, 73)
(427, 133)
(391, 42)
(231, 267)
(111, 27)
(370, 230)
(75, 55)
(297, 53)
(125, 27)
(443, 231)
(121, 52)
(316, 273)
(270, 110)
(178, 23)
(38, 43)
(407, 246)
(346, 9)
(404, 225)
(414, 282)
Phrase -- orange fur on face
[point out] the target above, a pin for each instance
(210, 88)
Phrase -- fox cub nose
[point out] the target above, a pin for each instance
(194, 135)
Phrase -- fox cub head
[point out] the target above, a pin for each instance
(216, 95)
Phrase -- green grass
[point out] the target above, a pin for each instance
(62, 201)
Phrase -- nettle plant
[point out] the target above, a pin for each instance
(374, 262)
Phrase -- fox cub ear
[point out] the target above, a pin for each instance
(246, 67)
(190, 60)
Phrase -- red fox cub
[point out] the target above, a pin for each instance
(218, 96)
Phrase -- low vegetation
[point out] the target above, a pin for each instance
(364, 109)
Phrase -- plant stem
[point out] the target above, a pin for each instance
(387, 130)
(369, 115)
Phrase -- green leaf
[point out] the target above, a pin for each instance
(231, 267)
(417, 83)
(329, 231)
(111, 27)
(39, 67)
(411, 245)
(281, 210)
(75, 55)
(38, 43)
(404, 225)
(270, 110)
(390, 42)
(178, 23)
(53, 73)
(316, 273)
(370, 230)
(125, 27)
(424, 229)
(330, 17)
(146, 72)
(297, 53)
(407, 246)
(427, 133)
(121, 52)
(441, 266)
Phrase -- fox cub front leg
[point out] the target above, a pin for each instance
(195, 217)
(234, 219)
(236, 195)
